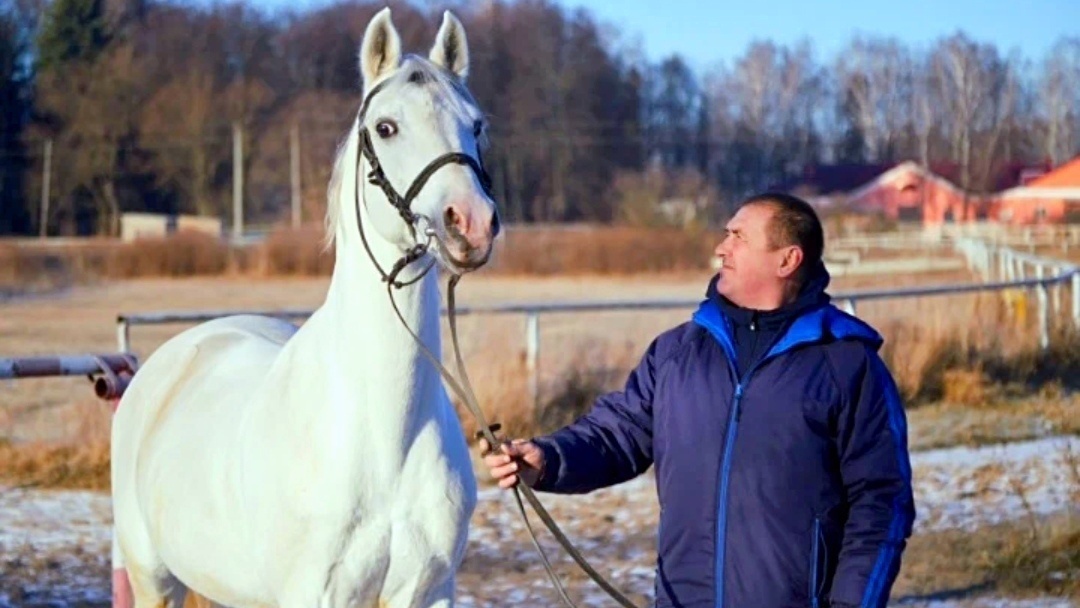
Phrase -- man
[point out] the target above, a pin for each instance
(778, 435)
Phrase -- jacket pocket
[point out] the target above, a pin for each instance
(819, 556)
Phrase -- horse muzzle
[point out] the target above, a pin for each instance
(469, 236)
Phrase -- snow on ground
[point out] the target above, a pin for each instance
(991, 602)
(54, 546)
(967, 488)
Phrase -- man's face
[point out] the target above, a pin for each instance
(752, 269)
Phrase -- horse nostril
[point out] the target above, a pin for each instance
(495, 225)
(456, 220)
(450, 218)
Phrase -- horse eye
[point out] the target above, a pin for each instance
(386, 129)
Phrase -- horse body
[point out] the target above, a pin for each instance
(263, 465)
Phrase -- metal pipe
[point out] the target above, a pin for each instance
(63, 365)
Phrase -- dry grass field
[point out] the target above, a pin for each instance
(967, 365)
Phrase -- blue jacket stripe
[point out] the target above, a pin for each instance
(886, 562)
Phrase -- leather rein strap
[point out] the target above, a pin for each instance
(463, 390)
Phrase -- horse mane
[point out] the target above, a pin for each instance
(456, 99)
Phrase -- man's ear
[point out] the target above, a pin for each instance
(792, 260)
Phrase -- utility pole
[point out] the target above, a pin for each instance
(294, 172)
(238, 182)
(43, 229)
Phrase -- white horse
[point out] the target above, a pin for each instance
(260, 465)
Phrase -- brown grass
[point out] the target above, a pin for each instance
(186, 254)
(69, 466)
(603, 250)
(1001, 418)
(288, 252)
(1050, 566)
(1001, 558)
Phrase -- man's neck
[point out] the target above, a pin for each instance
(767, 302)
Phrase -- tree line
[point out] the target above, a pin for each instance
(141, 105)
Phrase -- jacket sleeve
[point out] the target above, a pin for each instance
(610, 444)
(876, 473)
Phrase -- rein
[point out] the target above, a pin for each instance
(463, 390)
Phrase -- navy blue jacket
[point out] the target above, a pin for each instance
(788, 484)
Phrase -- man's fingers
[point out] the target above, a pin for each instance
(505, 470)
(515, 449)
(508, 482)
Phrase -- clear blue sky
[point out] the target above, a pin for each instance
(707, 31)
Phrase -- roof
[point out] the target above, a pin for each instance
(1064, 176)
(898, 170)
(1060, 183)
(818, 180)
(856, 179)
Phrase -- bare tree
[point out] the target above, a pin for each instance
(767, 107)
(924, 96)
(877, 76)
(182, 128)
(998, 122)
(1059, 100)
(965, 73)
(95, 105)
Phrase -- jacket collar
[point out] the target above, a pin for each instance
(812, 319)
(810, 297)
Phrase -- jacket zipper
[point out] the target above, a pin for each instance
(815, 559)
(725, 471)
(725, 466)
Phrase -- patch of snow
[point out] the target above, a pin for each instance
(968, 488)
(54, 545)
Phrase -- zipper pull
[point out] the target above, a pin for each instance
(738, 402)
(753, 322)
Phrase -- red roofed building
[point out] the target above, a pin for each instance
(910, 193)
(1051, 198)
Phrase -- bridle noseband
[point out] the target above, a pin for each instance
(403, 204)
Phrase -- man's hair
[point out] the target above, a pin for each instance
(794, 222)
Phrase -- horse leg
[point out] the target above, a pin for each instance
(155, 591)
(443, 595)
(419, 590)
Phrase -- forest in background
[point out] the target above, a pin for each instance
(139, 104)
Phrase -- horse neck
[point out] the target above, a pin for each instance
(373, 355)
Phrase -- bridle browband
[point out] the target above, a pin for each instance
(403, 204)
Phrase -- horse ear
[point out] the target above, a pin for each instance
(380, 51)
(451, 49)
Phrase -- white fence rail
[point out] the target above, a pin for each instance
(1002, 269)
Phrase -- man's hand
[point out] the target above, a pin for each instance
(517, 461)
